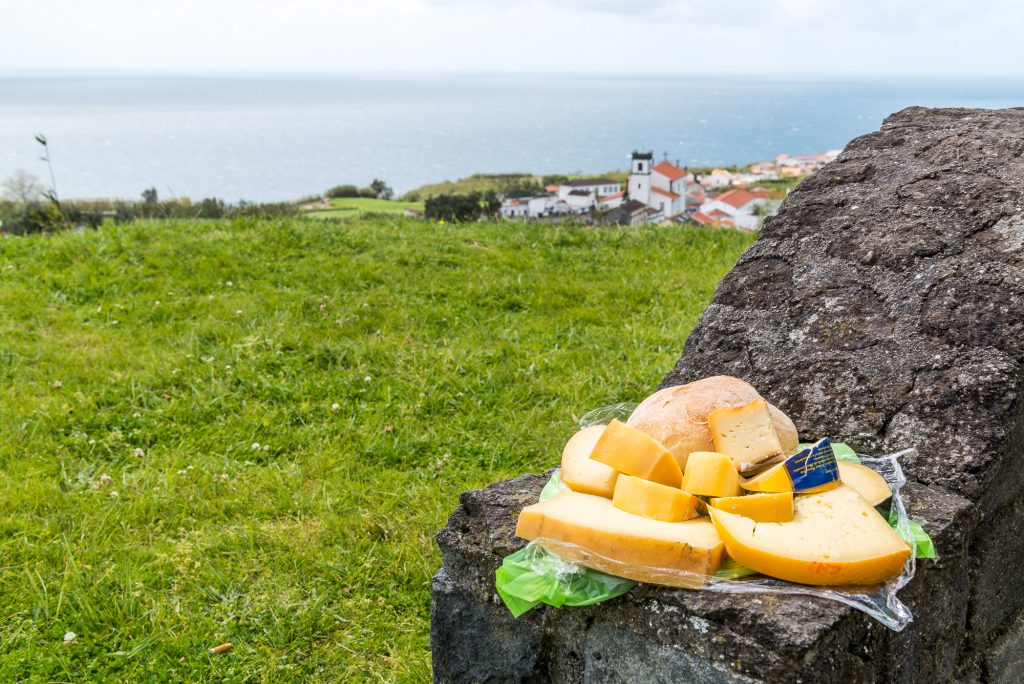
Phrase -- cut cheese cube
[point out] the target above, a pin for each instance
(709, 473)
(758, 507)
(581, 473)
(654, 500)
(593, 532)
(865, 481)
(835, 538)
(808, 471)
(745, 434)
(634, 453)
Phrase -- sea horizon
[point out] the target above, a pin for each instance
(272, 137)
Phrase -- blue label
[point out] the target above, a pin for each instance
(812, 467)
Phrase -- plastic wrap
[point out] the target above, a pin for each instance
(554, 572)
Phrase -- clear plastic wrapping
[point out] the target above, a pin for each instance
(559, 573)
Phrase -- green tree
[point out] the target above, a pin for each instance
(149, 196)
(381, 190)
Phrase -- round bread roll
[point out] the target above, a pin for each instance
(678, 416)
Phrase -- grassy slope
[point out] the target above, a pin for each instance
(458, 355)
(347, 207)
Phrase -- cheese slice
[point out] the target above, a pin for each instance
(758, 507)
(745, 433)
(581, 473)
(593, 532)
(808, 471)
(867, 482)
(634, 453)
(835, 538)
(709, 473)
(653, 500)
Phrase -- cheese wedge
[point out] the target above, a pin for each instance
(709, 473)
(865, 481)
(745, 433)
(581, 473)
(634, 453)
(808, 471)
(758, 507)
(835, 538)
(653, 500)
(593, 532)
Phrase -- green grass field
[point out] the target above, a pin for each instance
(250, 431)
(352, 207)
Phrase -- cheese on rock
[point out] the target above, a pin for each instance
(865, 481)
(758, 507)
(581, 473)
(593, 532)
(653, 500)
(709, 473)
(835, 538)
(745, 433)
(634, 453)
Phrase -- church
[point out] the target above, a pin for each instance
(660, 186)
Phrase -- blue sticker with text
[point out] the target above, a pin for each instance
(812, 467)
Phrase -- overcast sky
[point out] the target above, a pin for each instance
(814, 37)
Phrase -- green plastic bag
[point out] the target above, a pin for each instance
(531, 576)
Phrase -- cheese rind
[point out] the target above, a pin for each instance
(776, 507)
(865, 481)
(634, 453)
(654, 500)
(745, 433)
(581, 473)
(592, 531)
(709, 473)
(835, 538)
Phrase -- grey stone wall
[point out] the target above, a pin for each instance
(883, 306)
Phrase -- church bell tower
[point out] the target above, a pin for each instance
(640, 177)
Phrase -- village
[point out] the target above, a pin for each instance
(662, 192)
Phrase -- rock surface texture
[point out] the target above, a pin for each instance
(882, 306)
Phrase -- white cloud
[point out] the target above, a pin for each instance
(936, 37)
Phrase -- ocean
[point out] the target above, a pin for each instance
(275, 138)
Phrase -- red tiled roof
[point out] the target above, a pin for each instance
(761, 193)
(703, 219)
(718, 214)
(551, 188)
(736, 198)
(669, 170)
(671, 195)
(614, 195)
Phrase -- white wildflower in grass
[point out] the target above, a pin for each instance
(156, 303)
(227, 367)
(139, 453)
(238, 312)
(91, 442)
(182, 472)
(255, 446)
(136, 415)
(113, 494)
(229, 284)
(106, 480)
(266, 447)
(57, 384)
(335, 407)
(69, 637)
(367, 379)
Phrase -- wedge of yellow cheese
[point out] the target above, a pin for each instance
(835, 538)
(777, 479)
(709, 473)
(808, 471)
(581, 473)
(654, 500)
(593, 532)
(758, 507)
(634, 453)
(745, 433)
(867, 482)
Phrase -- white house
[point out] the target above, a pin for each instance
(738, 206)
(660, 186)
(595, 187)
